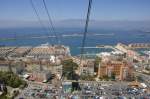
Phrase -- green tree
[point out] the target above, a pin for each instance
(96, 63)
(11, 79)
(69, 68)
(106, 77)
(87, 77)
(113, 76)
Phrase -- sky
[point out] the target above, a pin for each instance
(103, 10)
(76, 9)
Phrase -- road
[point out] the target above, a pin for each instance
(145, 77)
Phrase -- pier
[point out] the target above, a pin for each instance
(139, 45)
(98, 46)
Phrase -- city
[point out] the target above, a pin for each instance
(51, 72)
(74, 49)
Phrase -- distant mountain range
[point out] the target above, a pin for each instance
(79, 23)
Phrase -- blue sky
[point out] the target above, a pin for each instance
(76, 9)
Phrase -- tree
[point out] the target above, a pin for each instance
(105, 77)
(69, 68)
(11, 79)
(96, 63)
(87, 77)
(113, 76)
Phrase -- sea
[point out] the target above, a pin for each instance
(72, 37)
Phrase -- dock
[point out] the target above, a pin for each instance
(139, 45)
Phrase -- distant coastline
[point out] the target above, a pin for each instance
(64, 35)
(72, 38)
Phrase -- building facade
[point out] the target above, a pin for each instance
(88, 68)
(120, 69)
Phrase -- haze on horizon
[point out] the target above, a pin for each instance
(72, 13)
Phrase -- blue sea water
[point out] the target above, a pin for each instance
(120, 36)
